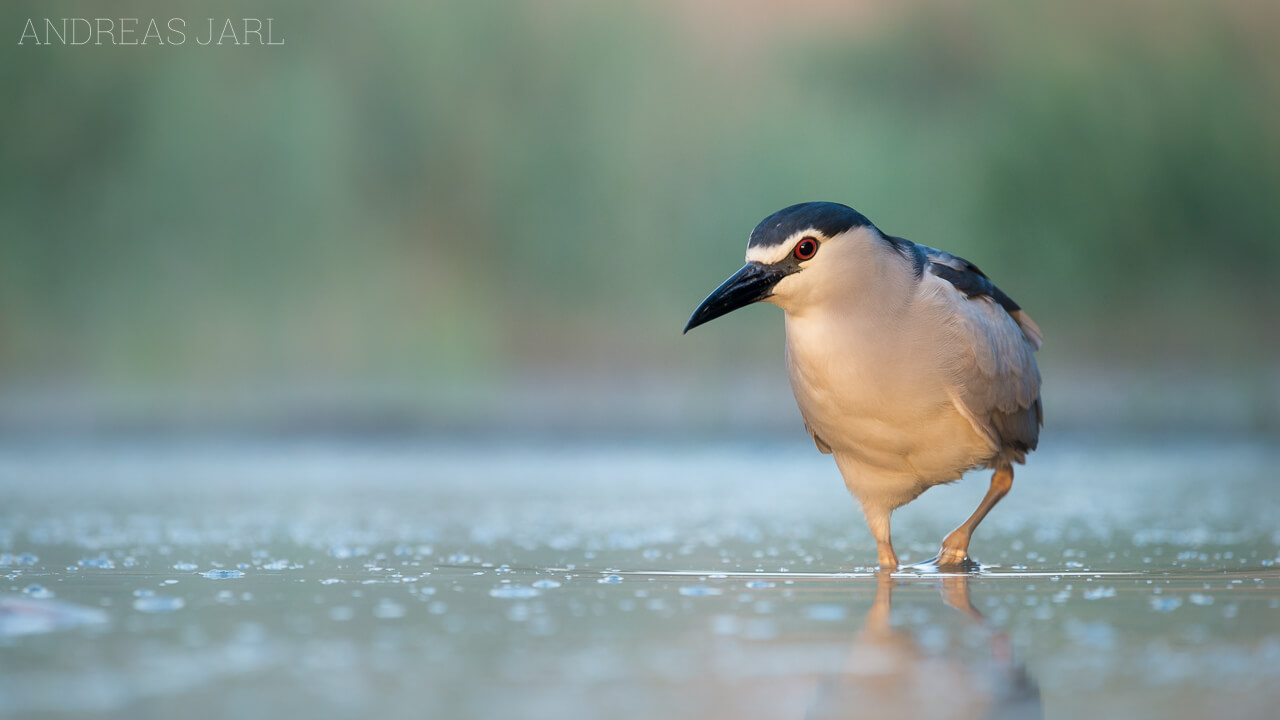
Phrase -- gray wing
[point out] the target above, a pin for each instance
(998, 382)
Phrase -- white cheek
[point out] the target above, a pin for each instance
(787, 290)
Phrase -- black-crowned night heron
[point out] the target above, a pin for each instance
(908, 364)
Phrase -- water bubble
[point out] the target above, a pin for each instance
(185, 566)
(102, 562)
(514, 592)
(725, 625)
(38, 591)
(546, 584)
(1100, 592)
(760, 629)
(158, 604)
(610, 580)
(387, 609)
(827, 613)
(760, 584)
(222, 574)
(341, 613)
(1098, 634)
(1164, 604)
(1200, 599)
(144, 592)
(541, 625)
(331, 581)
(700, 591)
(24, 559)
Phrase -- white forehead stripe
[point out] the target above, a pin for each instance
(770, 254)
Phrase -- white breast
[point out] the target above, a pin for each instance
(872, 382)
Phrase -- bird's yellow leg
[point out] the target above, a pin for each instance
(878, 521)
(955, 548)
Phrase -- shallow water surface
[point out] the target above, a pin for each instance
(406, 581)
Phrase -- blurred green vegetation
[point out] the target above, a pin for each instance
(443, 196)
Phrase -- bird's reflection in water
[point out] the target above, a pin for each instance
(888, 674)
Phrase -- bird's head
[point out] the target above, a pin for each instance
(796, 257)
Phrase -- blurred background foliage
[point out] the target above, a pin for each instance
(461, 215)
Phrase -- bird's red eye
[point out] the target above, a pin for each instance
(806, 248)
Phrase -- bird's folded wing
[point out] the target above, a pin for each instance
(993, 364)
(823, 447)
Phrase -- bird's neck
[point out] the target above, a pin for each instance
(873, 288)
(864, 324)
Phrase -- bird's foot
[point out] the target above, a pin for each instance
(888, 564)
(951, 555)
(949, 563)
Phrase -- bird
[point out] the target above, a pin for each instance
(908, 365)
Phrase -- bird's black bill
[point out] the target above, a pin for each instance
(754, 282)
